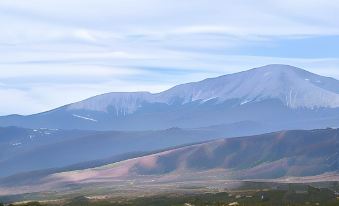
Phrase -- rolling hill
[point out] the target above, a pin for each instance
(296, 155)
(24, 150)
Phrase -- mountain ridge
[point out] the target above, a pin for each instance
(295, 155)
(35, 149)
(298, 97)
(288, 153)
(169, 96)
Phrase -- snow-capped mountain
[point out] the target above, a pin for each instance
(294, 87)
(122, 102)
(298, 98)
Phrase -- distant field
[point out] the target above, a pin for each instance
(250, 193)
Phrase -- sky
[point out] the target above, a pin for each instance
(55, 52)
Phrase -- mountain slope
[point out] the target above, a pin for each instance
(294, 87)
(274, 155)
(23, 150)
(299, 98)
(281, 156)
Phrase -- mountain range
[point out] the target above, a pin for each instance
(309, 155)
(220, 128)
(278, 96)
(24, 150)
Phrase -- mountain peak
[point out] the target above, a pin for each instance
(293, 86)
(272, 93)
(280, 69)
(121, 102)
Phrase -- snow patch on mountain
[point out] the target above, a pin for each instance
(245, 102)
(82, 117)
(294, 87)
(282, 82)
(121, 103)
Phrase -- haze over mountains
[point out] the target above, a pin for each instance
(278, 96)
(303, 154)
(273, 155)
(171, 103)
(24, 150)
(177, 132)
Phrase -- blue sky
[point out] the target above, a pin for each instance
(59, 51)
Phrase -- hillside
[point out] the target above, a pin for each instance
(287, 156)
